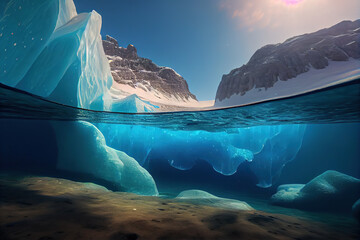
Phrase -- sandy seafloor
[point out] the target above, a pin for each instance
(44, 208)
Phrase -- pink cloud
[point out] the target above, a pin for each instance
(292, 2)
(287, 15)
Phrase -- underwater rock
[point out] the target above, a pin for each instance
(82, 148)
(205, 198)
(356, 210)
(330, 191)
(286, 194)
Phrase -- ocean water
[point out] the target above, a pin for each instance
(241, 153)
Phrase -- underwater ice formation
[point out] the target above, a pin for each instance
(266, 148)
(82, 148)
(330, 191)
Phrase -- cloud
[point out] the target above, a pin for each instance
(287, 15)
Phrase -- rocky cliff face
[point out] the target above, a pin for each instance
(293, 57)
(144, 76)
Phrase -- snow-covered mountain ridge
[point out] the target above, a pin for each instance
(297, 65)
(136, 75)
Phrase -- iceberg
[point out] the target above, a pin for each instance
(23, 35)
(53, 52)
(49, 51)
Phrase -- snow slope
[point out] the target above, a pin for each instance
(335, 73)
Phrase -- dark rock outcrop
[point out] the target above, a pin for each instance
(128, 68)
(280, 62)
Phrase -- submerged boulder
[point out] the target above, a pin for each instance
(205, 198)
(330, 191)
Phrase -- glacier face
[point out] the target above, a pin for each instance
(265, 148)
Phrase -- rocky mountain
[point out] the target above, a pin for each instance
(136, 75)
(301, 58)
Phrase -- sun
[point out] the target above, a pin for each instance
(292, 2)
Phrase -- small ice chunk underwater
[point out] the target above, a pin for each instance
(205, 198)
(330, 191)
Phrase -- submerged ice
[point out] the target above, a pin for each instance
(82, 148)
(266, 148)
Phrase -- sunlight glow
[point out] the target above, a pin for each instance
(292, 2)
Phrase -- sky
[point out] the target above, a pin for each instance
(204, 39)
